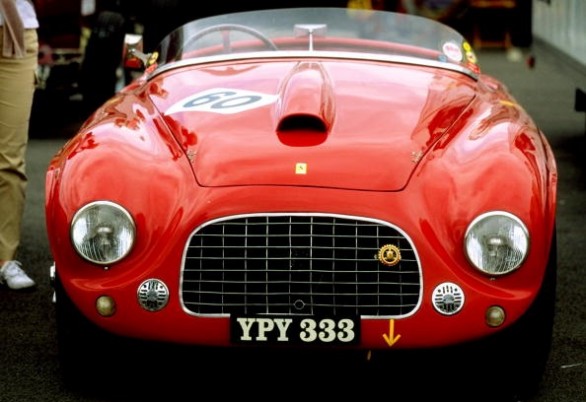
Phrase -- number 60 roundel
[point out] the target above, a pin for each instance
(222, 100)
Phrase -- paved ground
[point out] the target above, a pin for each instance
(28, 364)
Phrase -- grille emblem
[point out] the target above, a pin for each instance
(389, 255)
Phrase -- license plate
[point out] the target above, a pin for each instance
(294, 330)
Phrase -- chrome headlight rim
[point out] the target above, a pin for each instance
(113, 209)
(520, 240)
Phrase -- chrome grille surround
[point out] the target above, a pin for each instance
(299, 264)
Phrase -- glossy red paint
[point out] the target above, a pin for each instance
(423, 148)
(358, 122)
(245, 168)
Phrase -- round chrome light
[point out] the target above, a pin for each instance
(447, 298)
(496, 243)
(102, 232)
(152, 295)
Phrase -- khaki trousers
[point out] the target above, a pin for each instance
(17, 86)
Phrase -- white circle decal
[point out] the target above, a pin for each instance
(453, 51)
(222, 100)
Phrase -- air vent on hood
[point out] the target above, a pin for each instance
(307, 100)
(302, 122)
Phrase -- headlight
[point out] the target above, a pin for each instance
(102, 232)
(496, 243)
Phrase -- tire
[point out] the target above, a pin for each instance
(85, 351)
(517, 357)
(529, 341)
(506, 367)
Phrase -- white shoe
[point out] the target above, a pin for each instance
(14, 277)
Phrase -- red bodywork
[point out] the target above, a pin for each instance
(422, 148)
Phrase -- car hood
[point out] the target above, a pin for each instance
(336, 124)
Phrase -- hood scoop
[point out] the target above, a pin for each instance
(307, 101)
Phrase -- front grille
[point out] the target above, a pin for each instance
(318, 265)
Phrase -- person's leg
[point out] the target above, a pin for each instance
(17, 85)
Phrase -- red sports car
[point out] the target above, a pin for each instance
(305, 181)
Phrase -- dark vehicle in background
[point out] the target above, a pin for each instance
(80, 52)
(81, 47)
(77, 40)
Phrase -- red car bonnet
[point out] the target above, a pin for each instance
(310, 123)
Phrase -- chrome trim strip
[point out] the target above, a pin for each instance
(237, 57)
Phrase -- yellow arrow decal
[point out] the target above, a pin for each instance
(391, 339)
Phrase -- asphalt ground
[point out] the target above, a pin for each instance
(29, 369)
